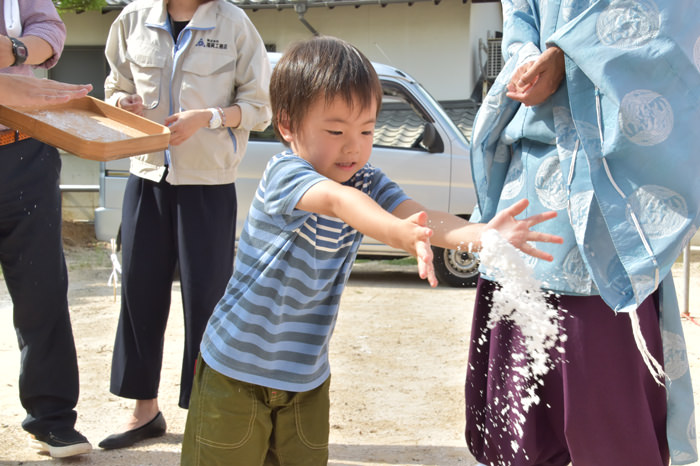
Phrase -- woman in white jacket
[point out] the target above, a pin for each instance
(200, 68)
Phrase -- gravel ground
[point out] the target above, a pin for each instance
(398, 356)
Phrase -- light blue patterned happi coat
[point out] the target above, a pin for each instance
(616, 150)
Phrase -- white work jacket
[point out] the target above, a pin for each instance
(218, 60)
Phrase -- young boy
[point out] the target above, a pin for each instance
(261, 390)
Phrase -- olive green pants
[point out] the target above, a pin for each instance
(236, 423)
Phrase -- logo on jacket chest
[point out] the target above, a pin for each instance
(211, 44)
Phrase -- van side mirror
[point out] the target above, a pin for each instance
(432, 140)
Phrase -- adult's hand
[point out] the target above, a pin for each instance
(28, 91)
(535, 81)
(519, 233)
(184, 124)
(132, 103)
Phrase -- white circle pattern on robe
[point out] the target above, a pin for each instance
(574, 270)
(549, 184)
(643, 285)
(572, 8)
(590, 135)
(566, 132)
(675, 357)
(691, 429)
(628, 24)
(684, 457)
(502, 154)
(661, 211)
(519, 5)
(646, 117)
(515, 180)
(689, 235)
(578, 213)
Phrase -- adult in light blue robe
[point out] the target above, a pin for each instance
(625, 175)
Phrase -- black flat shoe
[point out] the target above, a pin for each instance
(153, 428)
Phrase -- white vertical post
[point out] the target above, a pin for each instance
(686, 281)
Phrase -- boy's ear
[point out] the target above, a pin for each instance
(284, 127)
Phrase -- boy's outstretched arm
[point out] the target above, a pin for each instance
(361, 212)
(453, 232)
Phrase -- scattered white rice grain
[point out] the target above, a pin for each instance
(521, 301)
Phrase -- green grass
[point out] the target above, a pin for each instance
(403, 261)
(94, 256)
(398, 261)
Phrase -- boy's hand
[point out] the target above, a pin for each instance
(413, 236)
(518, 232)
(424, 254)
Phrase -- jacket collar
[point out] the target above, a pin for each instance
(204, 17)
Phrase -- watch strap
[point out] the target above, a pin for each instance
(19, 51)
(222, 115)
(215, 120)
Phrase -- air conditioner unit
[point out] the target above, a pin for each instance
(490, 60)
(494, 59)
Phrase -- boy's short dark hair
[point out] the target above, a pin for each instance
(321, 67)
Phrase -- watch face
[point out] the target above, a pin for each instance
(215, 120)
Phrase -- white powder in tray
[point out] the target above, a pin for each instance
(86, 125)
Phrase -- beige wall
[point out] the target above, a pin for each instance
(79, 205)
(436, 44)
(89, 28)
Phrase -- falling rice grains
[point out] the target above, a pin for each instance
(520, 301)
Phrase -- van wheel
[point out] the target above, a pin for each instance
(455, 268)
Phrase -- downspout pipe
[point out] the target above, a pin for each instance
(300, 8)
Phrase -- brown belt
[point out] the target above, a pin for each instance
(11, 136)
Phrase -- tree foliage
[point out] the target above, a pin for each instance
(78, 6)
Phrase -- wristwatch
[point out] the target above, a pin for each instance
(19, 50)
(215, 120)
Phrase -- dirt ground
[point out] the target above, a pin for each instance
(398, 358)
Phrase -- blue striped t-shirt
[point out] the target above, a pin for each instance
(274, 323)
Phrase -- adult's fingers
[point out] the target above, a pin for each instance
(529, 249)
(540, 237)
(541, 217)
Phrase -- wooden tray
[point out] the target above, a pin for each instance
(89, 128)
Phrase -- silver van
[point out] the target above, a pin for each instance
(416, 144)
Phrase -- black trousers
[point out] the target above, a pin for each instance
(31, 254)
(163, 225)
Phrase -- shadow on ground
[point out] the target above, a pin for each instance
(405, 455)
